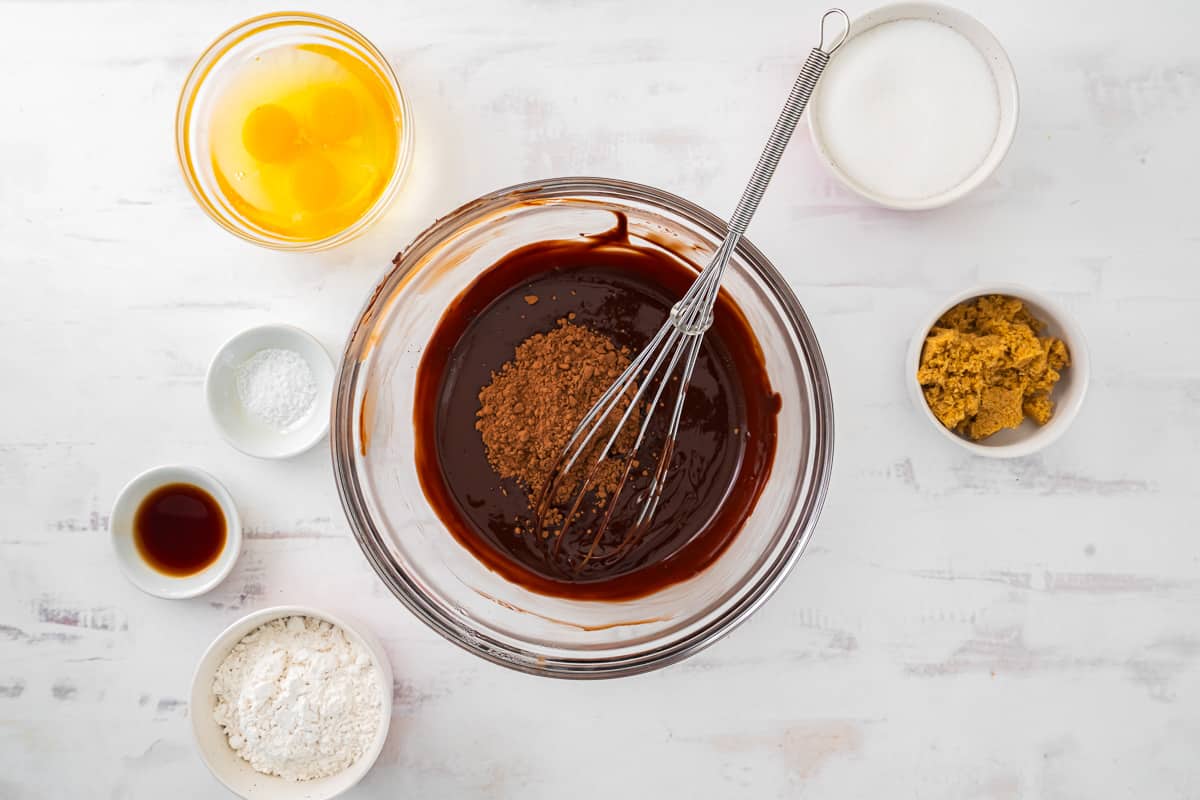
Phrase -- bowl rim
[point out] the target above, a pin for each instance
(344, 413)
(206, 579)
(281, 332)
(1064, 414)
(983, 40)
(224, 641)
(208, 60)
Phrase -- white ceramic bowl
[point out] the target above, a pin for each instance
(141, 574)
(1006, 87)
(234, 771)
(241, 429)
(1068, 392)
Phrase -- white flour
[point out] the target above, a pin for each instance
(277, 387)
(298, 699)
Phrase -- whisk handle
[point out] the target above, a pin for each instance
(802, 90)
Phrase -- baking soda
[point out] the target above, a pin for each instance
(908, 109)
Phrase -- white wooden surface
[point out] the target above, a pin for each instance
(959, 628)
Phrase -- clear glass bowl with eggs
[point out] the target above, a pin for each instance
(292, 131)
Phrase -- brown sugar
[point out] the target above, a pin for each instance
(533, 403)
(984, 367)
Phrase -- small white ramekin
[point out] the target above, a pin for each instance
(1006, 87)
(144, 576)
(1068, 392)
(234, 771)
(235, 425)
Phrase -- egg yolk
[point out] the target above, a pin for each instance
(271, 134)
(314, 182)
(305, 140)
(334, 116)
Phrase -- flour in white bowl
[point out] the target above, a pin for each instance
(298, 699)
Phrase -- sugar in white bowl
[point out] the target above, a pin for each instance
(909, 109)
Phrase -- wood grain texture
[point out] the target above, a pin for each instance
(959, 628)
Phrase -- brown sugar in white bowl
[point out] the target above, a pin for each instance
(1067, 395)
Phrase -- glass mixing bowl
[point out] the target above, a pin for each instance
(438, 579)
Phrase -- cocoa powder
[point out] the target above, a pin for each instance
(533, 403)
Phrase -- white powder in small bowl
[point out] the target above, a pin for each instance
(908, 109)
(277, 387)
(298, 699)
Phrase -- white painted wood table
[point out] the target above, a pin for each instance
(959, 628)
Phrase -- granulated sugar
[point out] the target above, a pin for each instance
(909, 109)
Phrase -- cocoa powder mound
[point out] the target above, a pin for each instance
(534, 402)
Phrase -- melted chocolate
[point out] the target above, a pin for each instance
(722, 455)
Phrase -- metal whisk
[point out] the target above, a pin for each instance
(676, 345)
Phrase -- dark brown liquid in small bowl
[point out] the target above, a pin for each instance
(179, 529)
(624, 291)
